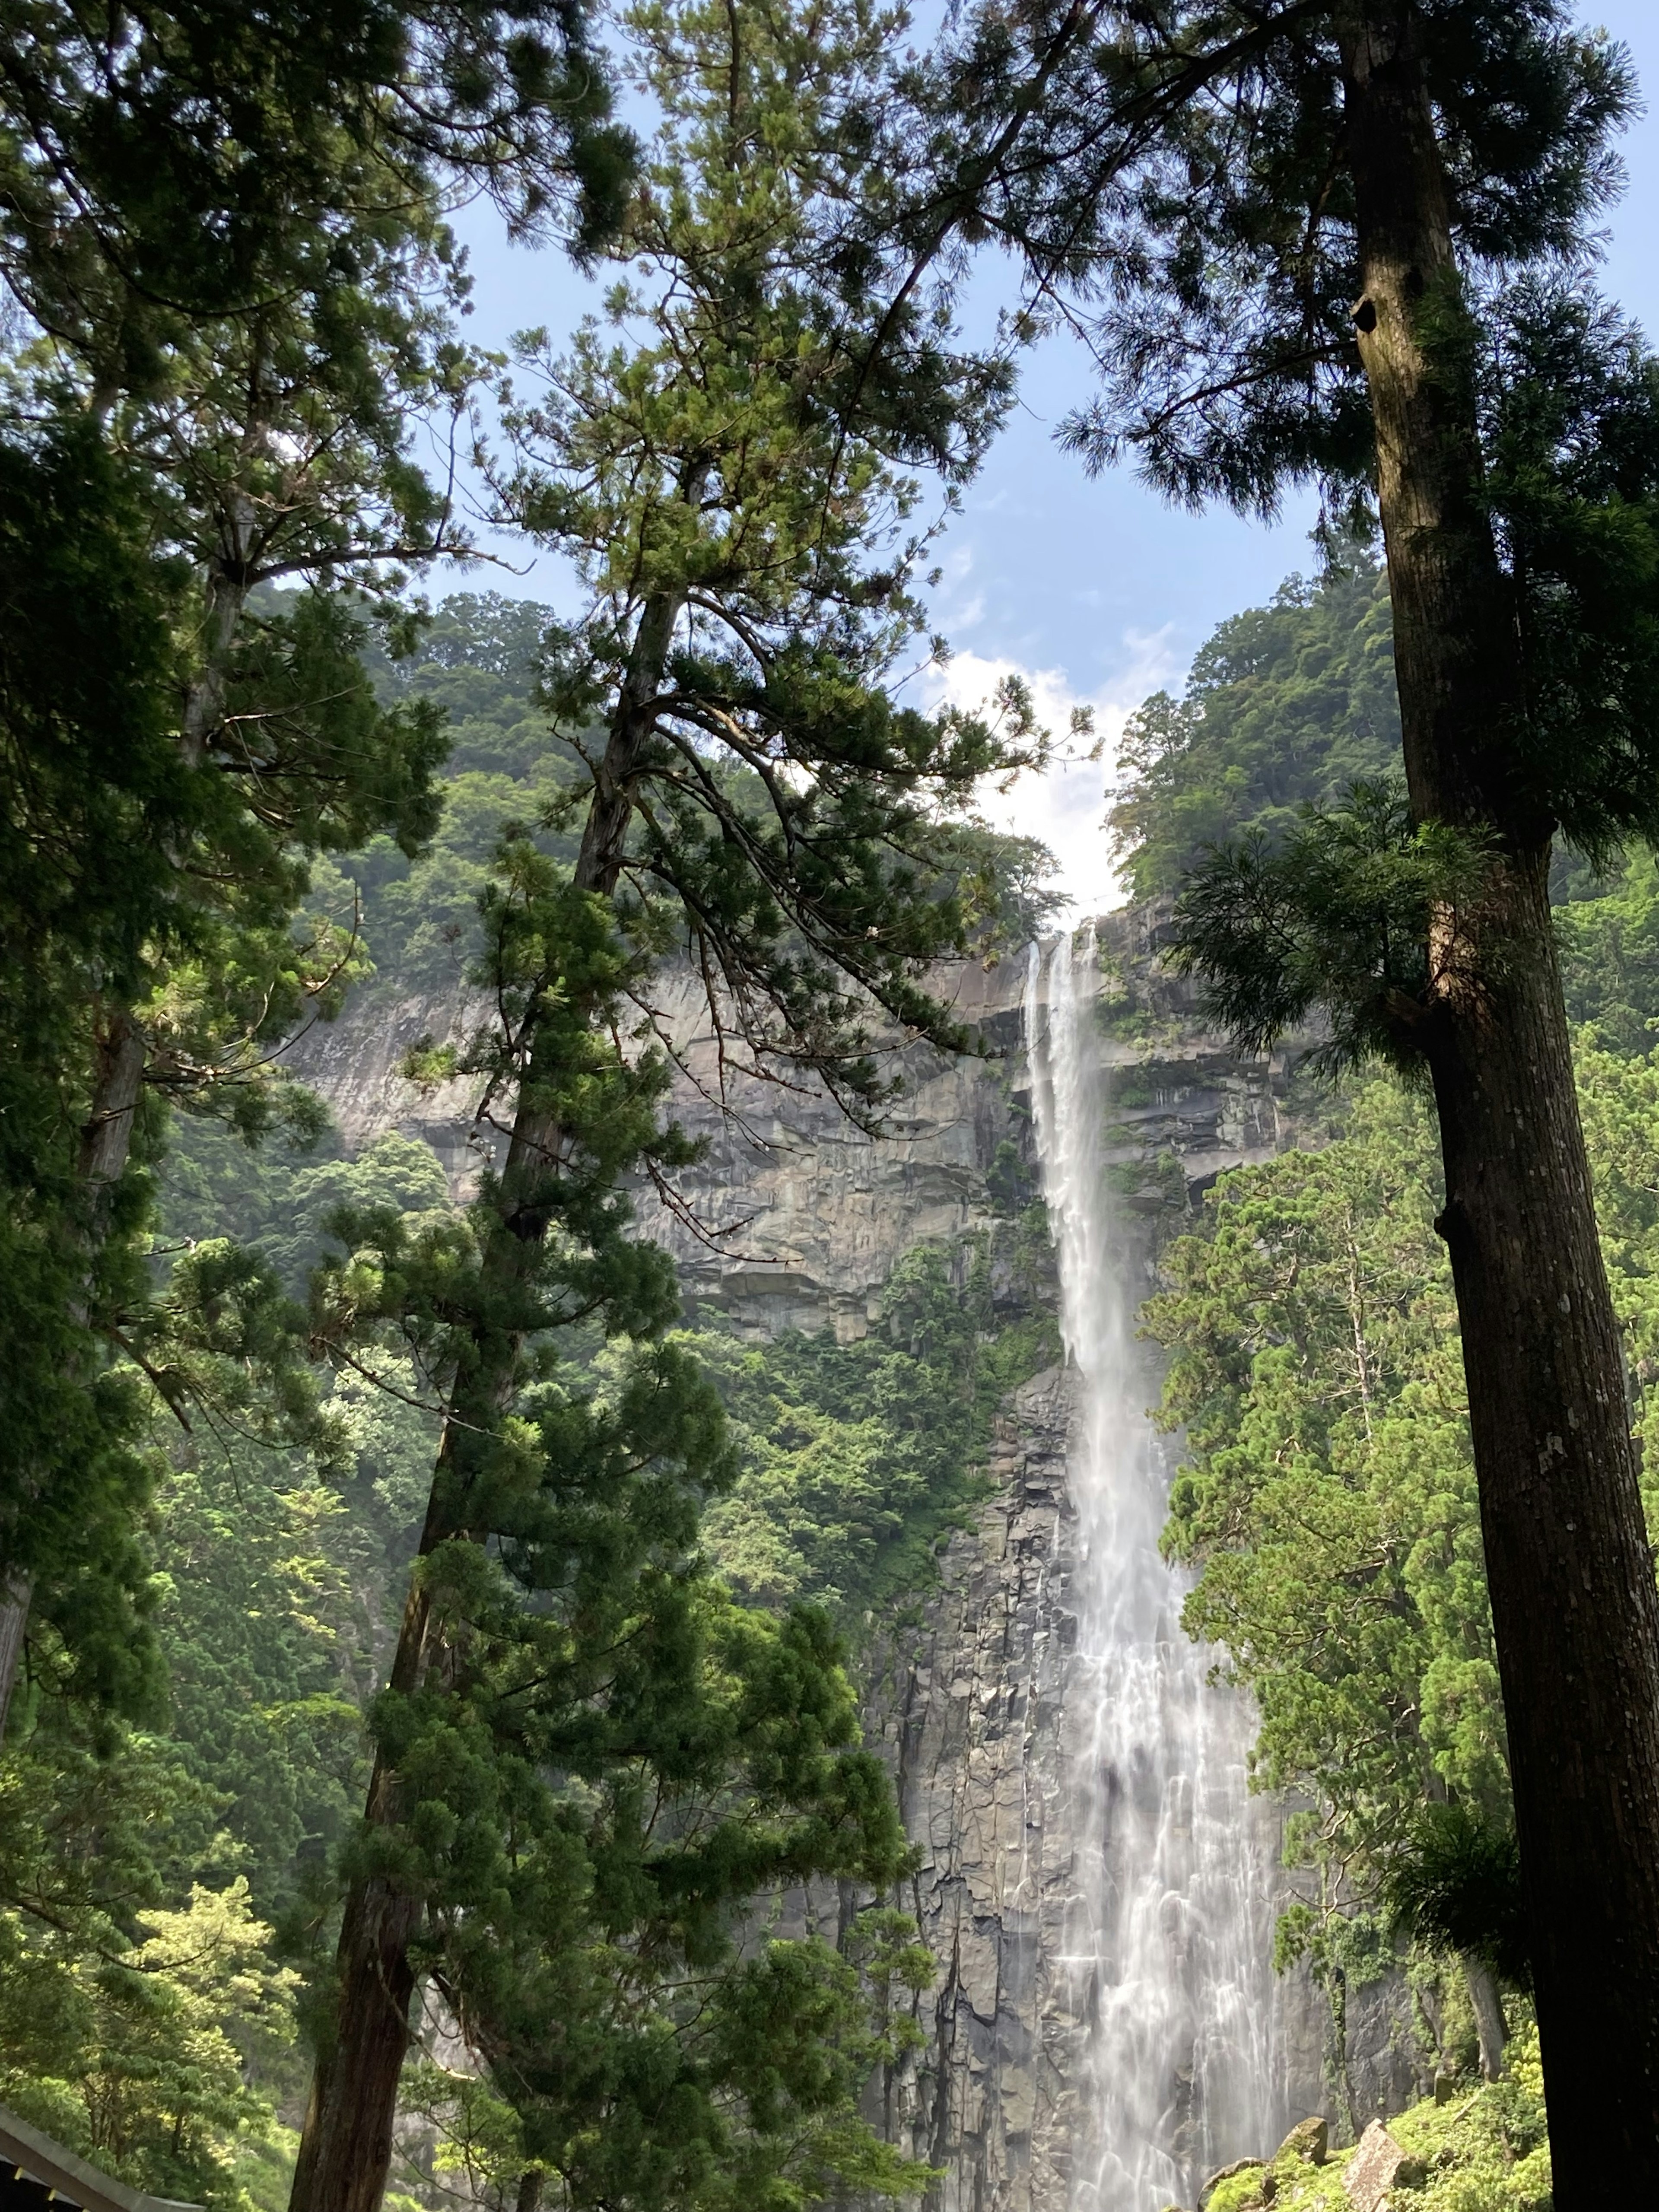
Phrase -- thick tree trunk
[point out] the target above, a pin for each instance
(1574, 1605)
(1491, 2027)
(107, 1133)
(346, 2143)
(345, 2146)
(1567, 1559)
(345, 2150)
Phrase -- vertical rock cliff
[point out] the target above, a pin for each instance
(795, 1219)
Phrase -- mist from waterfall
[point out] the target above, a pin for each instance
(1167, 1949)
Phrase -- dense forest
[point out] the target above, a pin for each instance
(433, 1670)
(1326, 1491)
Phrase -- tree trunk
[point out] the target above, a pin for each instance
(345, 2149)
(119, 1083)
(1490, 2025)
(106, 1132)
(1574, 1605)
(17, 1591)
(345, 2146)
(105, 1141)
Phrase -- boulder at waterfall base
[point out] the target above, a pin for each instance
(1486, 2151)
(1372, 2172)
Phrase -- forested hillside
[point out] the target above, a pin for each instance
(1325, 1496)
(1288, 706)
(1326, 1493)
(460, 1700)
(282, 1521)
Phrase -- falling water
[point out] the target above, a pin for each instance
(1168, 1935)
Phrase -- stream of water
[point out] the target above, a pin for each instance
(1168, 1945)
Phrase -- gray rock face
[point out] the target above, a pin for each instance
(973, 1717)
(805, 1219)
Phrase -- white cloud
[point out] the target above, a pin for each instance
(1065, 808)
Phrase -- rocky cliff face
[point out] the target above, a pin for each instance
(803, 1220)
(972, 1712)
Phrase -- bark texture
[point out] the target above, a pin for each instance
(16, 1592)
(1571, 1579)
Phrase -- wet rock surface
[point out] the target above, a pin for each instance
(972, 1715)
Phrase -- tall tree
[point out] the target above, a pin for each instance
(223, 231)
(1306, 241)
(591, 1759)
(732, 474)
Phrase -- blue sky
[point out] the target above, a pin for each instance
(1095, 590)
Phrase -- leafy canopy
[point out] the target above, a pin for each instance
(1285, 707)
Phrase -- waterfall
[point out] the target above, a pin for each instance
(1167, 1949)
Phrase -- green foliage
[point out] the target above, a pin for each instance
(1619, 1098)
(859, 1459)
(135, 2055)
(476, 660)
(1609, 950)
(1218, 293)
(93, 786)
(732, 459)
(651, 2062)
(237, 294)
(1267, 797)
(1286, 707)
(1334, 921)
(157, 874)
(1570, 405)
(1456, 1887)
(1560, 396)
(186, 169)
(273, 1625)
(281, 1199)
(77, 1472)
(1486, 2151)
(136, 1987)
(627, 1760)
(766, 2085)
(90, 790)
(179, 938)
(619, 1758)
(1328, 1495)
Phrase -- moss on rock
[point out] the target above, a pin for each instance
(1486, 2151)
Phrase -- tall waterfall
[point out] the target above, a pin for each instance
(1168, 1942)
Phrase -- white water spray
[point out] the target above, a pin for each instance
(1168, 1943)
